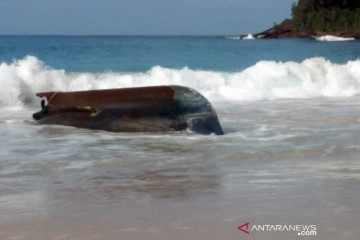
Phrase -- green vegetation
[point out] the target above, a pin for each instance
(325, 16)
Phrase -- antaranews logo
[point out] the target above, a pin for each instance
(245, 225)
(301, 230)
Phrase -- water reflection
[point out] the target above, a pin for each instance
(173, 183)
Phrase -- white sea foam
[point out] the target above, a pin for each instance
(266, 80)
(330, 38)
(249, 37)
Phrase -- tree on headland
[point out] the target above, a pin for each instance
(326, 15)
(314, 17)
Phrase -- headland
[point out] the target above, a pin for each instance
(317, 18)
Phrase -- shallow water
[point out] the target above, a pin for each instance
(290, 155)
(280, 162)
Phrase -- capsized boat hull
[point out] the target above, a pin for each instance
(143, 109)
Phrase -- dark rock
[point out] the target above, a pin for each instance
(318, 18)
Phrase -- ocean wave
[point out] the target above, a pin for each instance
(266, 80)
(330, 38)
(249, 37)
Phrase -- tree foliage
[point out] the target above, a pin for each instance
(326, 15)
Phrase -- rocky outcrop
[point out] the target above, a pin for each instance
(283, 32)
(319, 18)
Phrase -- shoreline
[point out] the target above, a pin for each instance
(281, 32)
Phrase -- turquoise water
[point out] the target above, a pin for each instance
(137, 54)
(290, 154)
(221, 68)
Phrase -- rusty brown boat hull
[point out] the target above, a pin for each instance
(144, 109)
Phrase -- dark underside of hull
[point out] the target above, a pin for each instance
(145, 109)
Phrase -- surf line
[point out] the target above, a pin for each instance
(337, 121)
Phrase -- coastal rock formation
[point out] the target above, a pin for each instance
(319, 18)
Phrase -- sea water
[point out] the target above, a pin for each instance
(290, 154)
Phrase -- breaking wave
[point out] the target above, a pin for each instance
(266, 80)
(330, 38)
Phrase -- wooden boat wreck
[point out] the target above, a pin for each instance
(143, 109)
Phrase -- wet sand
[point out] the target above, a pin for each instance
(279, 164)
